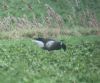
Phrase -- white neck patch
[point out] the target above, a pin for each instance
(61, 43)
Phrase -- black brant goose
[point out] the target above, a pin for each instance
(49, 44)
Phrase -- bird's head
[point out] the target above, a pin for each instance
(63, 46)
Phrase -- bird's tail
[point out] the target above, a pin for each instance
(39, 43)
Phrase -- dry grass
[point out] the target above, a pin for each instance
(15, 27)
(53, 26)
(44, 32)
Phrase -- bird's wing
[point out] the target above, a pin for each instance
(49, 43)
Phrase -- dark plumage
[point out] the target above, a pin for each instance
(49, 44)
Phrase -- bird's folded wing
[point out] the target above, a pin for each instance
(49, 43)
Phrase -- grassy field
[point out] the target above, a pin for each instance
(73, 21)
(21, 61)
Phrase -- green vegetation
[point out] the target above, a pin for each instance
(77, 17)
(21, 61)
(72, 12)
(76, 22)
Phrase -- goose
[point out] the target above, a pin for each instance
(49, 44)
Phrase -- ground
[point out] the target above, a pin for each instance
(21, 61)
